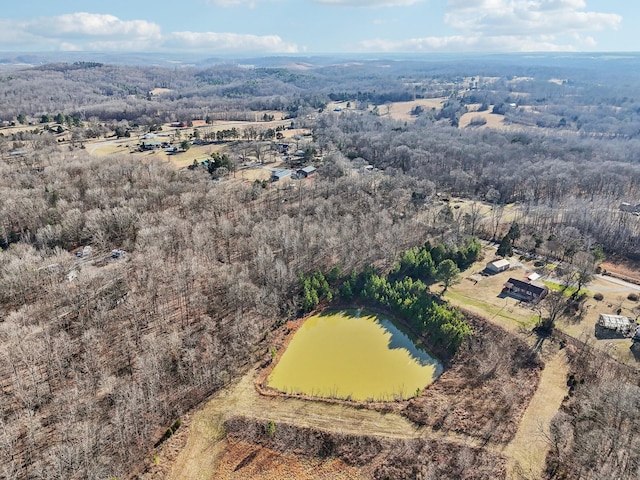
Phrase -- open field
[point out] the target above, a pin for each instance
(493, 120)
(527, 452)
(402, 110)
(130, 146)
(160, 91)
(395, 110)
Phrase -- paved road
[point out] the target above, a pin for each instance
(631, 287)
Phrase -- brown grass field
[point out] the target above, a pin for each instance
(396, 110)
(402, 110)
(493, 120)
(526, 454)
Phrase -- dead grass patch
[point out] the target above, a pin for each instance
(160, 91)
(493, 120)
(623, 270)
(527, 451)
(374, 457)
(246, 461)
(402, 110)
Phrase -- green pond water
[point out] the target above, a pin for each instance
(354, 355)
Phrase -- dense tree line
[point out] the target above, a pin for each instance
(560, 182)
(443, 327)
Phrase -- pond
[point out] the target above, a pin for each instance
(356, 355)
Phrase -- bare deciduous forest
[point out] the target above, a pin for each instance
(132, 290)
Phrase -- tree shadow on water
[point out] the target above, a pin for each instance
(400, 340)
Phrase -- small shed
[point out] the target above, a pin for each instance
(532, 276)
(280, 175)
(498, 266)
(306, 172)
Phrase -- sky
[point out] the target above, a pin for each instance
(267, 27)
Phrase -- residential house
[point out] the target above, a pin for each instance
(527, 291)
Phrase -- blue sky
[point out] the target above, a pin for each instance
(214, 27)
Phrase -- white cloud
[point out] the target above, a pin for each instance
(69, 47)
(509, 26)
(526, 17)
(229, 42)
(98, 32)
(14, 33)
(83, 24)
(369, 3)
(466, 43)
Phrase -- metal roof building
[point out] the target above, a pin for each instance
(618, 323)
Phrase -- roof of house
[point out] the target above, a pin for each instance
(308, 169)
(534, 288)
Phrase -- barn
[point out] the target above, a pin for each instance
(498, 266)
(306, 172)
(280, 174)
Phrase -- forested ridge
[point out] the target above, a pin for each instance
(101, 352)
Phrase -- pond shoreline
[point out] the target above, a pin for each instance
(290, 329)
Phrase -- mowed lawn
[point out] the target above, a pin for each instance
(483, 297)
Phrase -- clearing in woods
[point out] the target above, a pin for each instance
(396, 110)
(493, 120)
(527, 452)
(402, 110)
